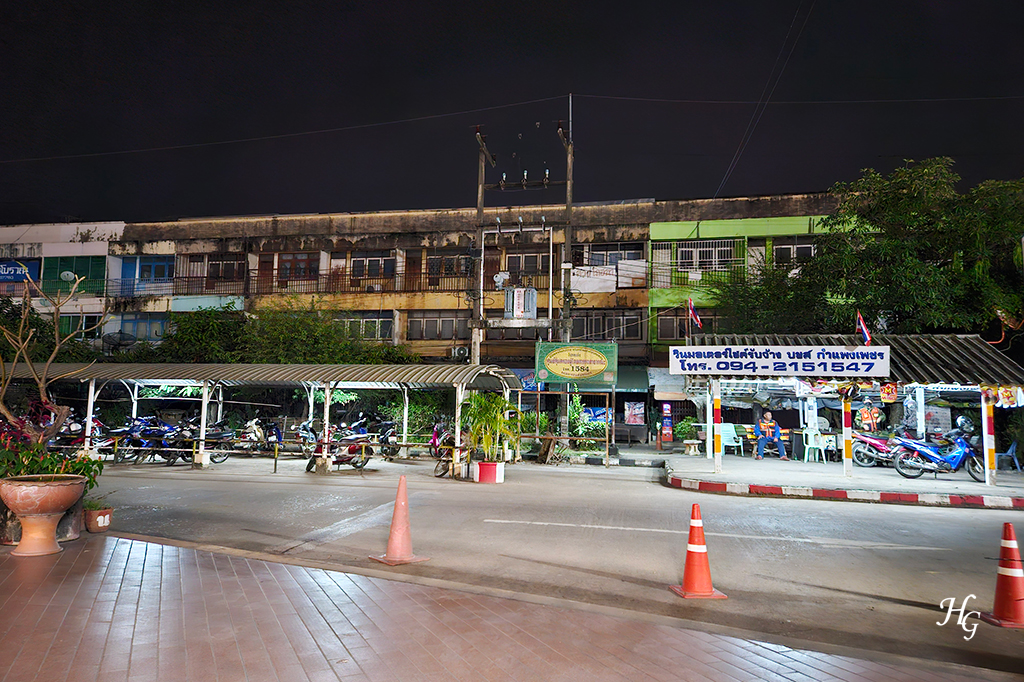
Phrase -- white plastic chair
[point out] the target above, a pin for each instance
(730, 439)
(814, 444)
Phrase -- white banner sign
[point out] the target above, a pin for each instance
(594, 278)
(780, 361)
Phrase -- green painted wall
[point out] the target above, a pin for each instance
(742, 227)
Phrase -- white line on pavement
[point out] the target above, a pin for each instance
(827, 542)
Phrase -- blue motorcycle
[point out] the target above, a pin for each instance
(917, 457)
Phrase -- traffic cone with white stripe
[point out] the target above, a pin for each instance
(400, 537)
(1008, 611)
(697, 572)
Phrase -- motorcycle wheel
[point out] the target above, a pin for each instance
(441, 468)
(363, 458)
(908, 465)
(862, 456)
(219, 456)
(311, 464)
(976, 468)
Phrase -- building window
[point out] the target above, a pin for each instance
(226, 266)
(305, 265)
(607, 325)
(144, 326)
(430, 325)
(156, 268)
(607, 254)
(373, 264)
(370, 325)
(86, 326)
(672, 323)
(709, 255)
(792, 250)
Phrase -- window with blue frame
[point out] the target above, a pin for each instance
(144, 326)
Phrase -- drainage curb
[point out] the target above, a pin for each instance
(878, 496)
(618, 461)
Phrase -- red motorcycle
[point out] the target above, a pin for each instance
(869, 450)
(346, 444)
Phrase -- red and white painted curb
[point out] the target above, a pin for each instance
(929, 499)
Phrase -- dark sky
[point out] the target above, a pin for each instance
(80, 78)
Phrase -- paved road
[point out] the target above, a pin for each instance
(860, 575)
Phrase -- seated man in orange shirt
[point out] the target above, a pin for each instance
(767, 430)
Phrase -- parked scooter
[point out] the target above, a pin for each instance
(258, 435)
(307, 436)
(346, 444)
(387, 436)
(442, 440)
(918, 457)
(869, 450)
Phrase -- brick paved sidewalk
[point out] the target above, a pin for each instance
(114, 609)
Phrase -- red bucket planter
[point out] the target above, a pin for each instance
(491, 472)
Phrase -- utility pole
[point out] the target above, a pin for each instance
(566, 321)
(478, 305)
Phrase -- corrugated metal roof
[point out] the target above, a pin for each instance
(916, 358)
(344, 376)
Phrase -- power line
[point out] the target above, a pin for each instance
(280, 136)
(766, 95)
(708, 102)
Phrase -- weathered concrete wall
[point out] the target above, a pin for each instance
(455, 227)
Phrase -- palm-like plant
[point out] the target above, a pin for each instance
(492, 420)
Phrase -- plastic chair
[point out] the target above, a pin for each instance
(814, 443)
(1011, 454)
(730, 439)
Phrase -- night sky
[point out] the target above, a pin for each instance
(133, 76)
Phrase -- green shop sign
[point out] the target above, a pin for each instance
(592, 364)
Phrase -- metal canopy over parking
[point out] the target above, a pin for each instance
(327, 377)
(958, 362)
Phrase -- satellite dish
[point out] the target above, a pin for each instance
(118, 340)
(68, 276)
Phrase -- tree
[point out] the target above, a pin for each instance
(907, 250)
(36, 342)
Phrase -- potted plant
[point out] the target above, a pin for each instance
(493, 422)
(98, 514)
(41, 492)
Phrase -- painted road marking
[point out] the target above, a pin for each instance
(825, 542)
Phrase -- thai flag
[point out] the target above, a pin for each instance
(863, 329)
(694, 316)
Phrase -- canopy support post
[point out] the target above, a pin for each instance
(922, 426)
(988, 435)
(202, 458)
(90, 406)
(405, 414)
(847, 438)
(716, 397)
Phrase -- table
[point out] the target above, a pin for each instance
(692, 447)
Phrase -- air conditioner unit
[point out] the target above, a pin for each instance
(459, 352)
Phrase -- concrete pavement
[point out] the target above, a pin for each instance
(110, 608)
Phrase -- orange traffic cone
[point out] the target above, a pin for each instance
(697, 572)
(1008, 611)
(400, 539)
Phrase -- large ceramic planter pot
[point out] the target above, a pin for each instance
(39, 502)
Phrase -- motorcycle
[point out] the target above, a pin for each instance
(387, 437)
(306, 436)
(346, 444)
(257, 435)
(869, 450)
(442, 440)
(219, 439)
(917, 457)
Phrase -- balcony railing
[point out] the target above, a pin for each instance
(89, 287)
(332, 283)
